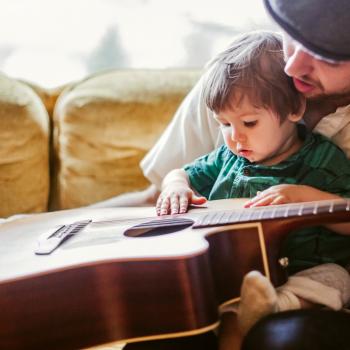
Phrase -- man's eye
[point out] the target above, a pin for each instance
(250, 124)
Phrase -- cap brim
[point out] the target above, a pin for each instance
(303, 38)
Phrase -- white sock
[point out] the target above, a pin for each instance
(258, 299)
(287, 300)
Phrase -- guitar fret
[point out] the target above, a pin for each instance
(300, 211)
(218, 218)
(240, 214)
(245, 215)
(213, 217)
(307, 210)
(234, 217)
(286, 212)
(293, 211)
(250, 214)
(340, 206)
(255, 214)
(261, 213)
(206, 219)
(322, 208)
(315, 208)
(266, 214)
(279, 212)
(226, 217)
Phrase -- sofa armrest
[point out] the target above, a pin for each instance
(24, 140)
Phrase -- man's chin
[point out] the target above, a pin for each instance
(314, 95)
(338, 99)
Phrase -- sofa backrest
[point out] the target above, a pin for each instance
(101, 128)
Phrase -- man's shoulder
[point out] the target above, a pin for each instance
(322, 142)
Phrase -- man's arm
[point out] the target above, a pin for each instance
(192, 132)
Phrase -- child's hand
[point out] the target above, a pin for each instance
(283, 194)
(175, 199)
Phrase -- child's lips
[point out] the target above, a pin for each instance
(244, 152)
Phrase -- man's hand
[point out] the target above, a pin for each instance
(283, 194)
(175, 199)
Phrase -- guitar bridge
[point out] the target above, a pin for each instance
(48, 243)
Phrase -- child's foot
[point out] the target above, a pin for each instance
(258, 299)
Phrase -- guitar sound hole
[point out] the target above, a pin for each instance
(151, 232)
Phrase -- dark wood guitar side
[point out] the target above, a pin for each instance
(103, 286)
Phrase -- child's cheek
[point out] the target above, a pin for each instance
(230, 144)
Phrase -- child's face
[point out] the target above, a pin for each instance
(258, 135)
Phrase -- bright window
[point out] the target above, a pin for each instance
(52, 42)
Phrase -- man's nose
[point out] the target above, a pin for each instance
(299, 63)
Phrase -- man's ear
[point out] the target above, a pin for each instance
(295, 117)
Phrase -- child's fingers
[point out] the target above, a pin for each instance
(253, 200)
(162, 206)
(198, 200)
(183, 204)
(159, 204)
(278, 200)
(174, 204)
(261, 201)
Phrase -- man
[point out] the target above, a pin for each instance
(317, 52)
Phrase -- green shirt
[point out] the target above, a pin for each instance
(319, 163)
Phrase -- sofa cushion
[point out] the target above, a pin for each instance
(24, 135)
(104, 125)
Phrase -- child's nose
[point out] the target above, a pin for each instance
(237, 135)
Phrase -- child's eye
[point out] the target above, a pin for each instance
(250, 124)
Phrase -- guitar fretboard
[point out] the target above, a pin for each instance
(225, 217)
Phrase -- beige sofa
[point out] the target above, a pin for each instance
(82, 143)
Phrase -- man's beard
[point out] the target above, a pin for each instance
(338, 99)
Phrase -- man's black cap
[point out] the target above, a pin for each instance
(321, 26)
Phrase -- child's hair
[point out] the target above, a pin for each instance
(252, 67)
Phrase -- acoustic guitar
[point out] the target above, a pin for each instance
(76, 278)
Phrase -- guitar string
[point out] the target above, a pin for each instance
(316, 206)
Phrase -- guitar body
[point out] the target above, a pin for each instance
(102, 285)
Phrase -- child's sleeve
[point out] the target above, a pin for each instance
(204, 171)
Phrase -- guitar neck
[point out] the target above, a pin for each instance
(283, 211)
